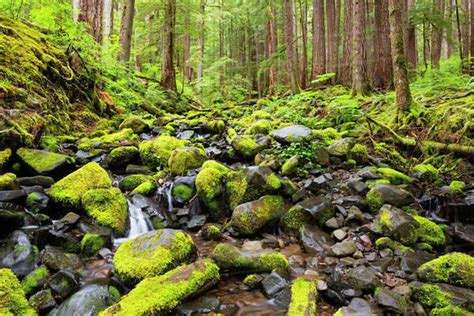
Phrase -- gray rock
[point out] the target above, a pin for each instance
(363, 278)
(42, 181)
(18, 254)
(291, 134)
(343, 249)
(390, 194)
(390, 301)
(274, 283)
(320, 208)
(56, 259)
(340, 148)
(13, 196)
(397, 224)
(315, 240)
(63, 283)
(43, 301)
(411, 260)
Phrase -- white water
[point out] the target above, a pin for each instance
(139, 223)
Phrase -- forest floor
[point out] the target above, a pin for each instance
(304, 204)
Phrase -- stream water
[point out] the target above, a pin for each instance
(139, 223)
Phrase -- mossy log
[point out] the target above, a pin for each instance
(425, 144)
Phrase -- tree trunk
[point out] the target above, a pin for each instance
(188, 69)
(221, 42)
(319, 40)
(168, 76)
(345, 69)
(360, 84)
(75, 9)
(91, 12)
(290, 46)
(437, 34)
(412, 52)
(400, 73)
(465, 28)
(271, 45)
(332, 36)
(304, 34)
(201, 40)
(472, 39)
(126, 28)
(383, 78)
(108, 20)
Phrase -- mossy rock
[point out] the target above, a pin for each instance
(135, 123)
(12, 298)
(426, 172)
(303, 298)
(184, 159)
(35, 280)
(5, 158)
(249, 218)
(290, 166)
(91, 244)
(441, 295)
(382, 194)
(152, 254)
(120, 157)
(107, 140)
(210, 187)
(359, 153)
(453, 268)
(68, 192)
(259, 127)
(229, 257)
(108, 207)
(246, 146)
(146, 188)
(157, 152)
(395, 223)
(8, 182)
(129, 183)
(394, 176)
(45, 163)
(387, 243)
(430, 232)
(160, 295)
(312, 210)
(456, 187)
(340, 148)
(215, 126)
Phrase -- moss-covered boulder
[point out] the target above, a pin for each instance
(388, 243)
(45, 163)
(426, 172)
(108, 207)
(456, 187)
(35, 280)
(259, 127)
(162, 294)
(215, 126)
(247, 146)
(152, 254)
(397, 224)
(157, 152)
(135, 123)
(12, 296)
(184, 159)
(5, 158)
(395, 177)
(317, 209)
(230, 257)
(107, 140)
(382, 194)
(210, 187)
(430, 232)
(453, 268)
(290, 166)
(120, 157)
(8, 182)
(182, 193)
(146, 188)
(340, 148)
(68, 192)
(359, 153)
(440, 295)
(91, 244)
(129, 183)
(250, 217)
(303, 298)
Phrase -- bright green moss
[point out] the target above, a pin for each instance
(303, 298)
(209, 187)
(430, 232)
(426, 172)
(431, 296)
(290, 166)
(42, 161)
(87, 144)
(450, 310)
(454, 268)
(373, 183)
(12, 297)
(91, 244)
(135, 123)
(230, 257)
(385, 242)
(184, 159)
(259, 127)
(359, 153)
(152, 254)
(5, 158)
(213, 233)
(8, 181)
(129, 183)
(394, 176)
(456, 186)
(121, 156)
(146, 188)
(69, 191)
(328, 135)
(32, 280)
(246, 146)
(374, 200)
(183, 192)
(161, 295)
(262, 115)
(156, 152)
(250, 280)
(294, 219)
(216, 126)
(235, 188)
(108, 207)
(215, 165)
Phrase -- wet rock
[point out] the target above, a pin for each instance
(66, 240)
(45, 163)
(397, 224)
(381, 264)
(42, 181)
(68, 220)
(464, 235)
(340, 148)
(273, 283)
(291, 134)
(152, 254)
(158, 295)
(37, 202)
(317, 208)
(342, 249)
(183, 189)
(202, 305)
(43, 301)
(382, 194)
(63, 284)
(230, 257)
(137, 169)
(363, 278)
(410, 261)
(11, 218)
(56, 259)
(390, 301)
(314, 240)
(35, 280)
(454, 268)
(18, 254)
(321, 156)
(89, 301)
(13, 196)
(196, 222)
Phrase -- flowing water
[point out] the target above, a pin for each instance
(139, 223)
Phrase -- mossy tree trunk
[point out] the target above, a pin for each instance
(168, 75)
(126, 28)
(91, 12)
(383, 63)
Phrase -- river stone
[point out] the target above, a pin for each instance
(340, 148)
(397, 224)
(273, 283)
(152, 254)
(382, 194)
(343, 249)
(13, 196)
(390, 301)
(63, 283)
(363, 278)
(200, 306)
(56, 259)
(314, 240)
(319, 207)
(11, 218)
(43, 301)
(411, 260)
(291, 134)
(45, 163)
(42, 181)
(18, 254)
(89, 301)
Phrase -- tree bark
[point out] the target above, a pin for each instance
(201, 40)
(290, 46)
(188, 69)
(437, 34)
(91, 12)
(332, 36)
(472, 39)
(412, 52)
(304, 34)
(400, 73)
(465, 28)
(383, 77)
(75, 9)
(168, 75)
(271, 46)
(345, 68)
(319, 40)
(360, 85)
(108, 20)
(126, 28)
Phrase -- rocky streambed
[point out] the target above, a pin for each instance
(197, 216)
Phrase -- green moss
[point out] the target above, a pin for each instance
(430, 232)
(121, 156)
(69, 191)
(456, 187)
(426, 172)
(294, 219)
(114, 294)
(5, 158)
(12, 297)
(246, 146)
(374, 200)
(32, 280)
(210, 188)
(390, 154)
(454, 268)
(146, 188)
(373, 183)
(161, 295)
(328, 135)
(213, 233)
(183, 192)
(152, 254)
(108, 207)
(450, 310)
(303, 298)
(215, 165)
(8, 181)
(385, 242)
(216, 126)
(184, 159)
(259, 127)
(431, 296)
(91, 244)
(235, 188)
(290, 166)
(230, 257)
(359, 153)
(394, 176)
(135, 123)
(262, 115)
(87, 144)
(131, 182)
(251, 279)
(156, 152)
(42, 161)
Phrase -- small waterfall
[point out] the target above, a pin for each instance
(169, 196)
(139, 223)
